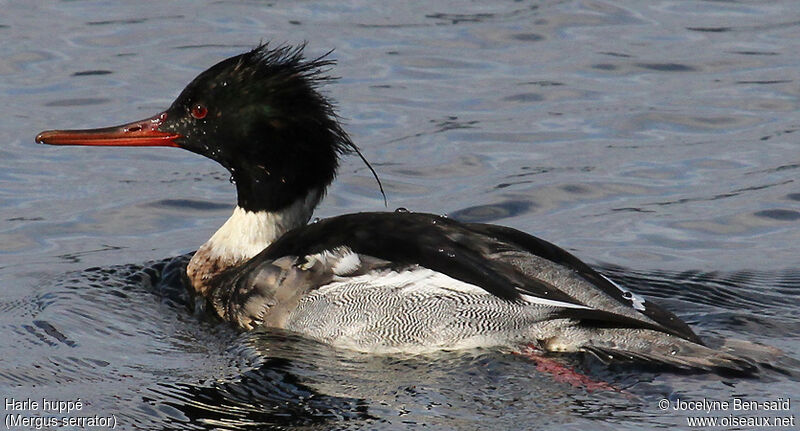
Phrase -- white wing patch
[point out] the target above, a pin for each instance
(418, 280)
(636, 300)
(348, 263)
(424, 280)
(552, 303)
(341, 260)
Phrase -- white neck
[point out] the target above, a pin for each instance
(244, 235)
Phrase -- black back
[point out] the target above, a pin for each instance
(460, 250)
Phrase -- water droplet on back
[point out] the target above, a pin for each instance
(447, 252)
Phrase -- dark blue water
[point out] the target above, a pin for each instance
(655, 140)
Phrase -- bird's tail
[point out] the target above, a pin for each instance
(627, 344)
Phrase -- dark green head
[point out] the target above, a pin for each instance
(258, 114)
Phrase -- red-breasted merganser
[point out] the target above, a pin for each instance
(380, 281)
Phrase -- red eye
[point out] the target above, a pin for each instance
(199, 111)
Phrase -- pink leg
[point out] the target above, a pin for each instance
(563, 374)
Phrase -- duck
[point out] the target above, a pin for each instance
(376, 282)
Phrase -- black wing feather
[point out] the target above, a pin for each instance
(428, 240)
(459, 250)
(555, 254)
